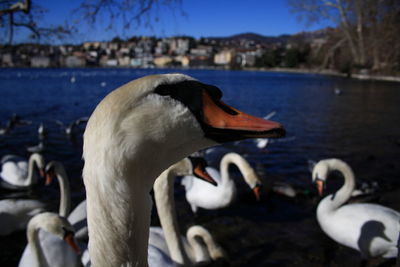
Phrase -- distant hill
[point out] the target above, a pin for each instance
(258, 38)
(284, 38)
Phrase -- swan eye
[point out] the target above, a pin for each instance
(198, 161)
(48, 168)
(67, 232)
(190, 93)
(182, 90)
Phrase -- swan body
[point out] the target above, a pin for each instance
(158, 119)
(284, 189)
(72, 129)
(262, 143)
(78, 216)
(16, 213)
(19, 173)
(78, 219)
(12, 123)
(39, 148)
(369, 228)
(57, 252)
(38, 252)
(197, 251)
(203, 195)
(42, 132)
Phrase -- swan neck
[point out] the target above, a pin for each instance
(199, 251)
(211, 250)
(244, 167)
(35, 247)
(65, 198)
(118, 215)
(344, 193)
(224, 168)
(31, 164)
(165, 202)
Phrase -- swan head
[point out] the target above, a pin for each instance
(322, 169)
(51, 170)
(56, 225)
(195, 166)
(319, 175)
(164, 118)
(38, 160)
(257, 191)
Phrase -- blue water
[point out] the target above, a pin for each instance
(360, 126)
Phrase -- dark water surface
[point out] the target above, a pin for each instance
(360, 126)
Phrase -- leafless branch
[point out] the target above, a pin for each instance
(16, 7)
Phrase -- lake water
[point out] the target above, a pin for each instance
(360, 126)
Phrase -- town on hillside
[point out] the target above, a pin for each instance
(235, 52)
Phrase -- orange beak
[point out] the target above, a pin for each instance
(320, 187)
(201, 173)
(49, 179)
(222, 118)
(42, 173)
(69, 239)
(257, 192)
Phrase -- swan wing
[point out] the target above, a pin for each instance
(156, 258)
(14, 170)
(157, 239)
(205, 195)
(78, 214)
(16, 213)
(78, 219)
(57, 252)
(372, 229)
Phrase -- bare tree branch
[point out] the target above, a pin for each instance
(127, 12)
(19, 6)
(22, 14)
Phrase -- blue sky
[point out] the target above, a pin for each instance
(202, 18)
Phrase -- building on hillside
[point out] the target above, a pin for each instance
(162, 61)
(224, 57)
(75, 62)
(40, 62)
(7, 60)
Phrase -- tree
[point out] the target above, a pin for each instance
(25, 14)
(365, 25)
(128, 12)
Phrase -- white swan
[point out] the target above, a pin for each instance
(18, 173)
(55, 225)
(262, 143)
(78, 216)
(14, 121)
(56, 169)
(206, 196)
(136, 132)
(16, 213)
(179, 250)
(78, 219)
(57, 252)
(168, 248)
(199, 247)
(72, 129)
(369, 228)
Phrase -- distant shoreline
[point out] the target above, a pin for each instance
(366, 77)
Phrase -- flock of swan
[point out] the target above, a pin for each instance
(139, 139)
